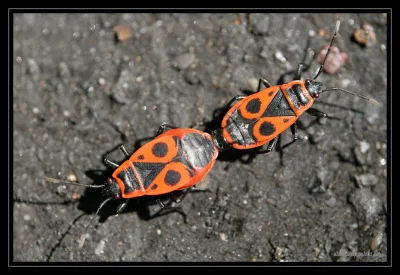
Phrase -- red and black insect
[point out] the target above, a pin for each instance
(261, 117)
(174, 160)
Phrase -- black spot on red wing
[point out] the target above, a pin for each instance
(141, 157)
(160, 149)
(154, 187)
(172, 177)
(270, 93)
(253, 106)
(285, 120)
(267, 128)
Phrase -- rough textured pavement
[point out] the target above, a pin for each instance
(79, 91)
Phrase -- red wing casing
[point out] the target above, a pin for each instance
(174, 160)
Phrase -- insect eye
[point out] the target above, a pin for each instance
(316, 96)
(307, 81)
(109, 180)
(117, 197)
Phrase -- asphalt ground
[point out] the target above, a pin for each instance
(81, 88)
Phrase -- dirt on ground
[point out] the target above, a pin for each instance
(85, 83)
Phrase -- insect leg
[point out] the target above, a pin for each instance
(233, 100)
(181, 197)
(316, 113)
(302, 67)
(111, 163)
(240, 97)
(174, 198)
(186, 191)
(163, 127)
(162, 205)
(124, 151)
(122, 206)
(295, 134)
(266, 83)
(166, 209)
(270, 147)
(196, 189)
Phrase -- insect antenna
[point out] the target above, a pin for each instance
(97, 211)
(70, 182)
(53, 180)
(329, 49)
(358, 95)
(58, 244)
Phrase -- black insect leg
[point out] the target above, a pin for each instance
(176, 199)
(274, 142)
(180, 198)
(161, 204)
(240, 97)
(111, 163)
(316, 113)
(122, 206)
(185, 192)
(293, 129)
(270, 147)
(196, 189)
(234, 100)
(124, 151)
(167, 209)
(163, 127)
(295, 134)
(266, 83)
(302, 67)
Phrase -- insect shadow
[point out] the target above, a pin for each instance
(146, 207)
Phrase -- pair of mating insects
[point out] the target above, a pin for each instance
(178, 158)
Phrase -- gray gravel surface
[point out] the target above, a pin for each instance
(79, 91)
